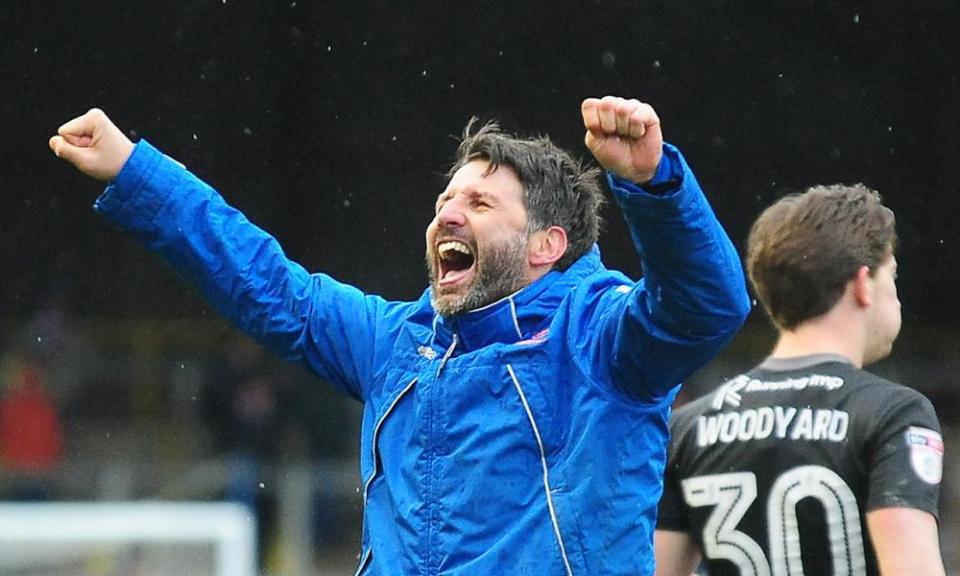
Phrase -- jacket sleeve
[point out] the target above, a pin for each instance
(241, 270)
(692, 298)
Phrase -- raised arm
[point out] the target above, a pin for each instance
(241, 270)
(692, 297)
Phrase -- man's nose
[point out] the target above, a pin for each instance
(451, 214)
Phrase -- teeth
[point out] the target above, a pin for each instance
(444, 247)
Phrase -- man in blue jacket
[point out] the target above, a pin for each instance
(515, 416)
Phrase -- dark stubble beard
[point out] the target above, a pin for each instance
(501, 271)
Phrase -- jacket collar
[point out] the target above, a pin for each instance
(519, 316)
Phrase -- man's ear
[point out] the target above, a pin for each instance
(863, 287)
(547, 246)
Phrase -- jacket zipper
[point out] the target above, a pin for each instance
(428, 496)
(447, 354)
(546, 471)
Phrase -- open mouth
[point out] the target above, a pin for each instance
(456, 261)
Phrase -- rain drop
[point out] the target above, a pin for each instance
(856, 18)
(608, 60)
(262, 485)
(194, 136)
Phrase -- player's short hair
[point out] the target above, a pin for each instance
(804, 248)
(558, 190)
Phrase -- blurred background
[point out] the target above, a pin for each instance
(330, 124)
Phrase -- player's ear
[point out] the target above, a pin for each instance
(863, 287)
(545, 247)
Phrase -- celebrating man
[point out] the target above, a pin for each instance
(515, 415)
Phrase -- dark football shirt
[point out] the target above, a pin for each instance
(775, 471)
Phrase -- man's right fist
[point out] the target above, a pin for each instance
(93, 144)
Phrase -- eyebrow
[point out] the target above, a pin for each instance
(472, 193)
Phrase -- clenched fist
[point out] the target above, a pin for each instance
(93, 144)
(624, 136)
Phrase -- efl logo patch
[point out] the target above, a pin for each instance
(926, 453)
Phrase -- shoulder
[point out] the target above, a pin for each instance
(593, 284)
(886, 396)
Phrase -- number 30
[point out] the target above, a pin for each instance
(733, 493)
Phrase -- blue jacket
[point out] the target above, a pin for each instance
(526, 437)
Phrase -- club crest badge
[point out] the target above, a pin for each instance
(427, 352)
(537, 338)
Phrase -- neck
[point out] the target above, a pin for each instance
(832, 333)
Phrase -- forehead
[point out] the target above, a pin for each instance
(476, 177)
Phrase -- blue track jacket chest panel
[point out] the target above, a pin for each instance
(527, 437)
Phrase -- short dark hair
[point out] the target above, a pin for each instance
(804, 248)
(558, 190)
